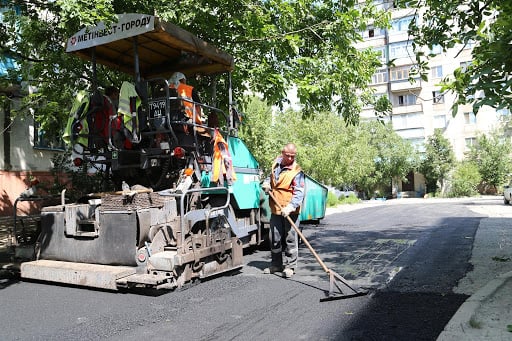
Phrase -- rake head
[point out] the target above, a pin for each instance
(338, 282)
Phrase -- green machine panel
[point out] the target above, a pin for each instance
(246, 189)
(315, 200)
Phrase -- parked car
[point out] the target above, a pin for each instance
(342, 193)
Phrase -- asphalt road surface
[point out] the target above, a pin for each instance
(408, 254)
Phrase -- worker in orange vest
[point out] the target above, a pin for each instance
(287, 186)
(178, 81)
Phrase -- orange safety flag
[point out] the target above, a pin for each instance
(222, 162)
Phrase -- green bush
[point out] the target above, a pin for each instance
(332, 200)
(351, 199)
(465, 180)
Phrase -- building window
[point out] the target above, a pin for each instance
(377, 96)
(400, 73)
(469, 45)
(401, 49)
(44, 141)
(470, 142)
(401, 25)
(373, 32)
(464, 65)
(408, 121)
(383, 4)
(437, 97)
(503, 112)
(437, 71)
(469, 118)
(381, 53)
(380, 76)
(404, 100)
(440, 121)
(436, 49)
(418, 144)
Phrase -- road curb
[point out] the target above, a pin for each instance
(459, 324)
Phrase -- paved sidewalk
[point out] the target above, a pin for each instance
(487, 313)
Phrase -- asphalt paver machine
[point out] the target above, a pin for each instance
(188, 196)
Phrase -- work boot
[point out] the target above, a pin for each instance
(288, 272)
(272, 269)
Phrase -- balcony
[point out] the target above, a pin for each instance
(403, 85)
(405, 109)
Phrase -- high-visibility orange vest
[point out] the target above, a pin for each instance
(282, 190)
(222, 162)
(185, 91)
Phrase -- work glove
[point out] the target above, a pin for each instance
(266, 187)
(285, 211)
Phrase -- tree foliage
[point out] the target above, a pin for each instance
(256, 132)
(328, 150)
(396, 157)
(491, 154)
(465, 180)
(439, 160)
(365, 156)
(276, 44)
(484, 25)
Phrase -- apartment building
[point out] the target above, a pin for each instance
(419, 107)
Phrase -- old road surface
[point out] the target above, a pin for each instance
(410, 254)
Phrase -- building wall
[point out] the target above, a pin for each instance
(13, 183)
(26, 162)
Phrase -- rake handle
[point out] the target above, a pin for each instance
(319, 260)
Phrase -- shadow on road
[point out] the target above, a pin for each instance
(402, 316)
(9, 275)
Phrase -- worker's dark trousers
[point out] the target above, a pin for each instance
(283, 239)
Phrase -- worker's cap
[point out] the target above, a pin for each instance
(175, 78)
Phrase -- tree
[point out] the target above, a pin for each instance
(491, 154)
(276, 44)
(483, 25)
(256, 132)
(35, 35)
(395, 157)
(439, 160)
(382, 107)
(328, 150)
(366, 156)
(465, 179)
